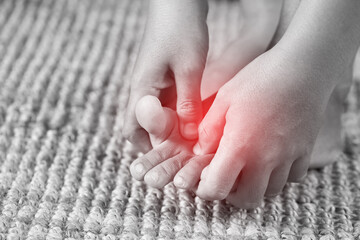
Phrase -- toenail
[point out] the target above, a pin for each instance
(204, 172)
(139, 168)
(179, 181)
(154, 176)
(197, 149)
(190, 129)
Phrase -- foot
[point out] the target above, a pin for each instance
(259, 25)
(329, 142)
(170, 151)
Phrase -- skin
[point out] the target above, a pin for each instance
(177, 77)
(255, 36)
(271, 131)
(171, 151)
(260, 19)
(170, 65)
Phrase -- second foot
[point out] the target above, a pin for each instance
(329, 143)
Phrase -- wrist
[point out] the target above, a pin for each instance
(184, 9)
(324, 34)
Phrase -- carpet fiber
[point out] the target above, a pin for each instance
(64, 166)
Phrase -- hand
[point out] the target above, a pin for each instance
(262, 126)
(169, 65)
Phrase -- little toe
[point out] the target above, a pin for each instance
(155, 119)
(189, 175)
(164, 173)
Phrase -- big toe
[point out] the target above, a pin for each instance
(155, 119)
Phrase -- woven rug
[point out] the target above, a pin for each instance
(64, 166)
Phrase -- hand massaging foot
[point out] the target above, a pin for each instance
(171, 154)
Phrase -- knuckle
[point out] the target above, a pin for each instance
(180, 162)
(267, 162)
(154, 157)
(222, 93)
(172, 167)
(168, 168)
(188, 108)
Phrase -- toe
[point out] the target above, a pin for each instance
(277, 181)
(155, 119)
(148, 161)
(164, 173)
(189, 175)
(251, 188)
(299, 169)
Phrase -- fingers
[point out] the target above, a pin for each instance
(299, 169)
(188, 107)
(137, 136)
(223, 169)
(211, 128)
(164, 173)
(156, 120)
(142, 165)
(189, 175)
(277, 181)
(220, 70)
(251, 188)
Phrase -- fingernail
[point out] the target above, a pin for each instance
(197, 149)
(190, 129)
(139, 168)
(154, 176)
(179, 181)
(272, 195)
(302, 178)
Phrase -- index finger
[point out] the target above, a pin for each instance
(223, 169)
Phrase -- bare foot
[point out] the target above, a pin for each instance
(260, 20)
(329, 142)
(170, 153)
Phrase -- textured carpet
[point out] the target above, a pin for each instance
(64, 167)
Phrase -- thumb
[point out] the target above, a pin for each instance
(189, 106)
(155, 119)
